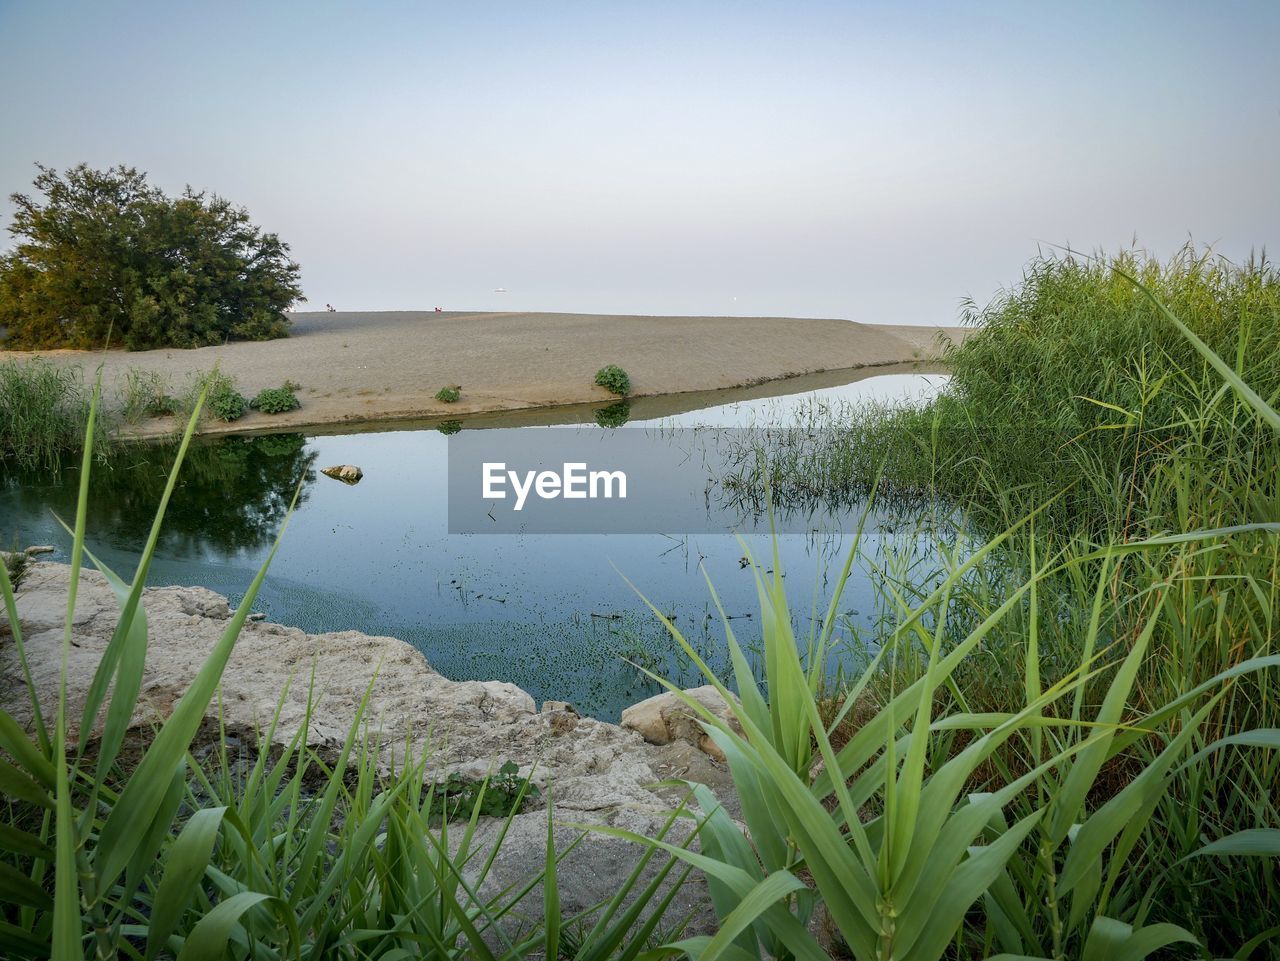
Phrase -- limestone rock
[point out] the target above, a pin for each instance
(560, 716)
(665, 718)
(347, 473)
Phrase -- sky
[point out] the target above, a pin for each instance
(871, 161)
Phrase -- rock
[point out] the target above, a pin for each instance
(664, 718)
(197, 602)
(562, 722)
(560, 716)
(596, 773)
(594, 871)
(347, 473)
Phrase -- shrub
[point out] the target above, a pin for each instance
(146, 394)
(275, 400)
(448, 427)
(228, 405)
(614, 378)
(104, 256)
(448, 395)
(222, 399)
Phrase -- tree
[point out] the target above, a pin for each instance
(104, 258)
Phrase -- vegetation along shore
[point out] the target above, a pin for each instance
(385, 366)
(1063, 744)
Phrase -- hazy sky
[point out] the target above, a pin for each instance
(876, 161)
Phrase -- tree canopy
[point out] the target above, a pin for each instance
(105, 259)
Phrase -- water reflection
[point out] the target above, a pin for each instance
(231, 498)
(551, 613)
(613, 415)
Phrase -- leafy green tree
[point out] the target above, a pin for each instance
(104, 257)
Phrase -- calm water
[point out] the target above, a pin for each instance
(547, 612)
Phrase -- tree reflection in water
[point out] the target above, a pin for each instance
(232, 493)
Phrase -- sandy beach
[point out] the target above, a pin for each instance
(387, 366)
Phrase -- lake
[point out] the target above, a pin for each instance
(551, 612)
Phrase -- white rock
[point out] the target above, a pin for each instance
(347, 473)
(665, 718)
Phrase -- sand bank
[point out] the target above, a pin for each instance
(388, 365)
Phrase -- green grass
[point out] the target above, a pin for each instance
(44, 411)
(448, 395)
(1077, 388)
(216, 390)
(1126, 456)
(146, 393)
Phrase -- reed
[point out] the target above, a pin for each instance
(1074, 387)
(44, 410)
(1065, 746)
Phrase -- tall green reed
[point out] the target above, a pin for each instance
(44, 410)
(1076, 806)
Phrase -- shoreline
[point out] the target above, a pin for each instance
(282, 687)
(366, 369)
(410, 699)
(643, 406)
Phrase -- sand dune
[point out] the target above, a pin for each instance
(389, 365)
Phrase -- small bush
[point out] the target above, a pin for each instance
(276, 400)
(614, 378)
(146, 394)
(228, 405)
(448, 395)
(162, 405)
(223, 398)
(448, 427)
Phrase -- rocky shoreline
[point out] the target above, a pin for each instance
(598, 772)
